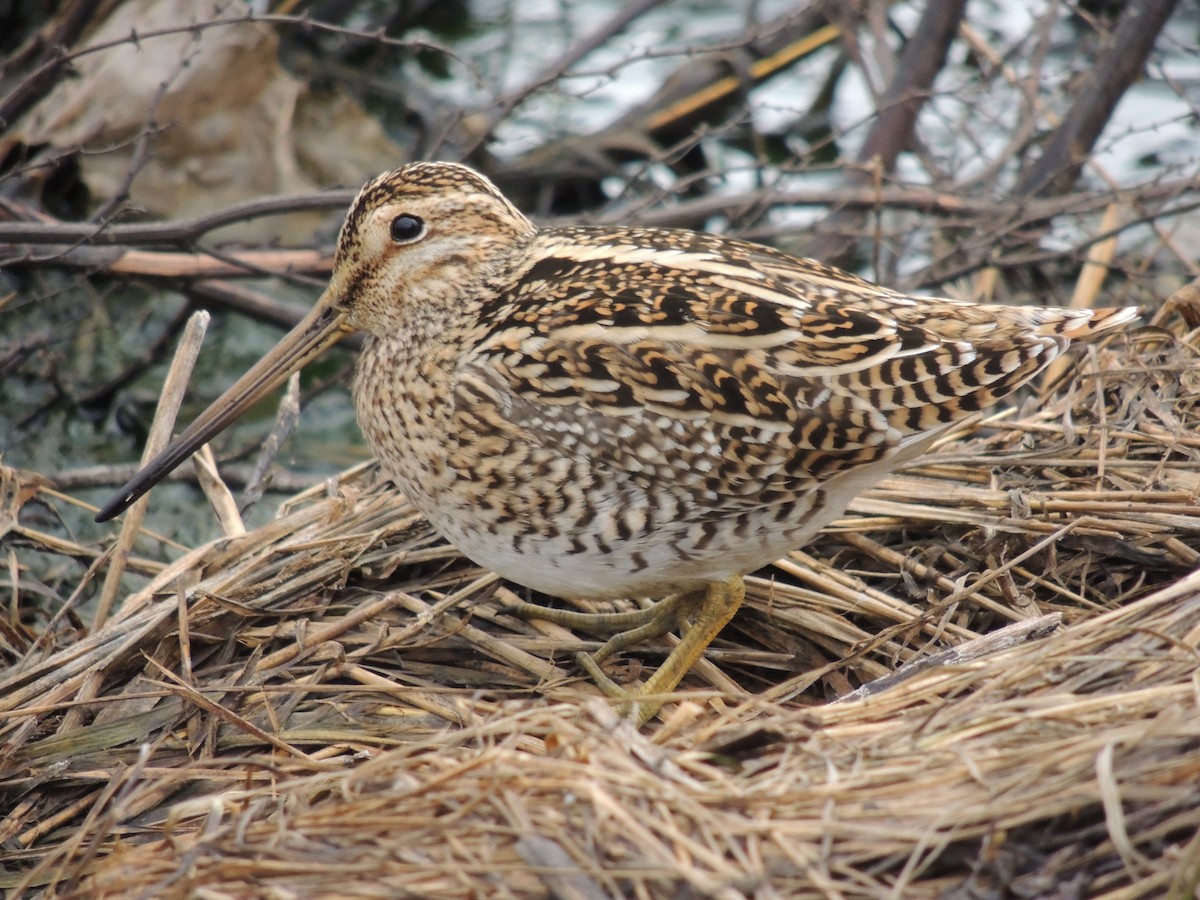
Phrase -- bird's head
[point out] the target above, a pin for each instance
(415, 243)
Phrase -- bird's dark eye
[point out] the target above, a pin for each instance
(406, 228)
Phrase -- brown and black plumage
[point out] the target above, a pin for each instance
(615, 412)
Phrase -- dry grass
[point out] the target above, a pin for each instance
(337, 704)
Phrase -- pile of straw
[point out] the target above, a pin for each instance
(984, 681)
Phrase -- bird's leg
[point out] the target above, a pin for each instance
(721, 601)
(667, 614)
(606, 622)
(631, 628)
(716, 606)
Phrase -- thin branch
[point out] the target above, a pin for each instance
(179, 232)
(1106, 82)
(892, 131)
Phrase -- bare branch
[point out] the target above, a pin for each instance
(892, 131)
(1116, 69)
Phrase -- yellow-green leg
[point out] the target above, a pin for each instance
(721, 600)
(711, 611)
(609, 622)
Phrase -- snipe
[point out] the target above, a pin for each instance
(610, 412)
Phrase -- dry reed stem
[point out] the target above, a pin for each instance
(170, 400)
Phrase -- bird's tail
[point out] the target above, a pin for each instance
(1084, 324)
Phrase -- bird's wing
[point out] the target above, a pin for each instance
(756, 378)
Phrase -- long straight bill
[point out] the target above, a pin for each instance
(319, 330)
